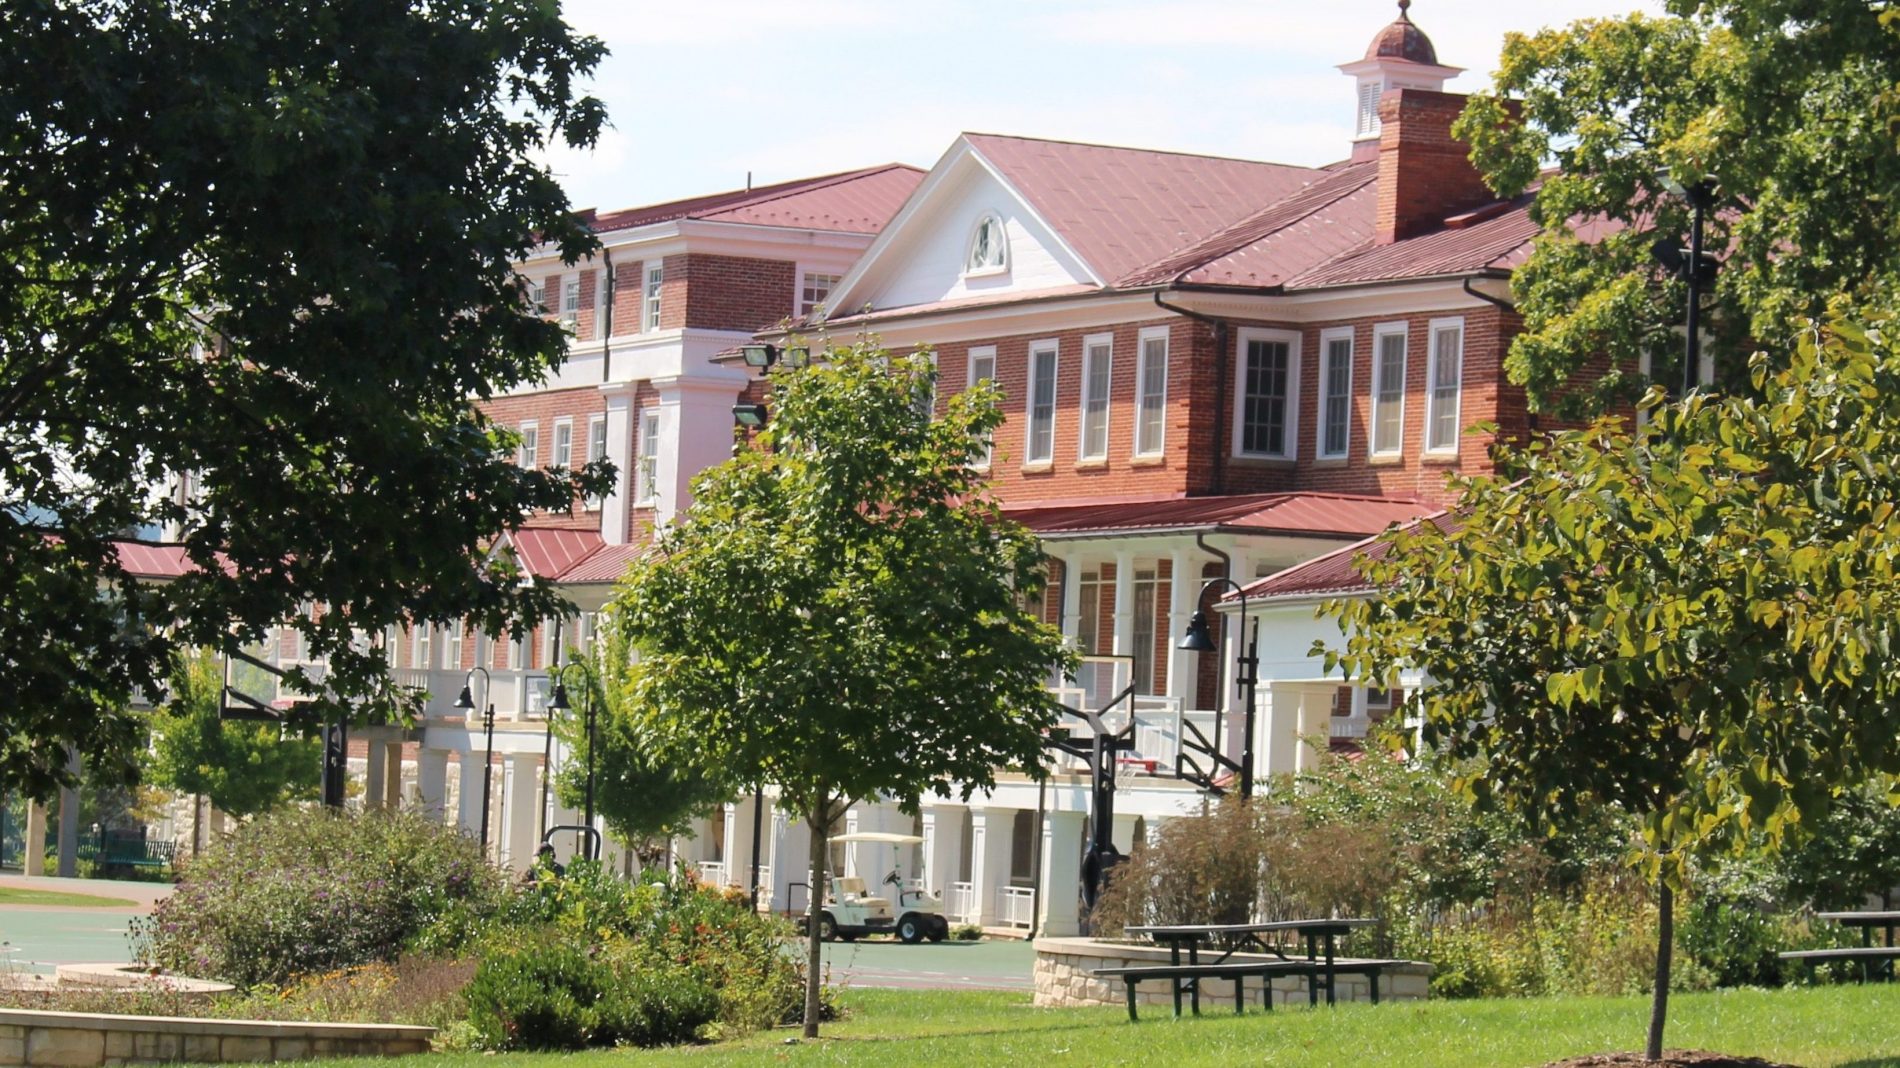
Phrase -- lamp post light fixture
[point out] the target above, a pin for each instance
(749, 416)
(762, 355)
(559, 703)
(1693, 265)
(1198, 640)
(466, 702)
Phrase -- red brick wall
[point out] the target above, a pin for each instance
(725, 292)
(1424, 173)
(543, 409)
(629, 286)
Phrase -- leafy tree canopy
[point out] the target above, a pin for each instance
(1693, 621)
(243, 768)
(268, 244)
(844, 612)
(1788, 104)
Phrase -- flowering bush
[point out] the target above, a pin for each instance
(305, 892)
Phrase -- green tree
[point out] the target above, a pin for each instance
(844, 612)
(644, 797)
(266, 247)
(243, 768)
(1690, 621)
(1788, 104)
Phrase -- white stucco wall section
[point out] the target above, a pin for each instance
(920, 257)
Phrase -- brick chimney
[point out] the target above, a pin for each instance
(1424, 173)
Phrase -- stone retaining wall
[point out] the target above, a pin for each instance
(100, 1040)
(1063, 967)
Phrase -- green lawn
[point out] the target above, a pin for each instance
(10, 896)
(1832, 1027)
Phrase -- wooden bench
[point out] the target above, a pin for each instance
(1189, 976)
(1863, 954)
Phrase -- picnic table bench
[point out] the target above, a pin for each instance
(1867, 953)
(1186, 977)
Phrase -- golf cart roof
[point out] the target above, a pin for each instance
(880, 837)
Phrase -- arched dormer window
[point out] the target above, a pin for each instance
(989, 247)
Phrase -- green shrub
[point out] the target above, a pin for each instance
(304, 892)
(550, 993)
(967, 932)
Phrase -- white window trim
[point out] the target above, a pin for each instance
(969, 243)
(798, 289)
(1431, 385)
(646, 492)
(1326, 339)
(1147, 334)
(1108, 402)
(565, 463)
(970, 380)
(596, 432)
(1036, 348)
(1380, 332)
(571, 317)
(651, 301)
(1293, 341)
(521, 449)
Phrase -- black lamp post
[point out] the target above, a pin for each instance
(1692, 265)
(1197, 640)
(559, 703)
(466, 702)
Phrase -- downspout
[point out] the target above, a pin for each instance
(607, 323)
(1220, 387)
(1530, 418)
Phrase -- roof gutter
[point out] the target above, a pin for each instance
(1219, 327)
(1486, 297)
(1198, 530)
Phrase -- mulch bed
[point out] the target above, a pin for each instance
(1674, 1058)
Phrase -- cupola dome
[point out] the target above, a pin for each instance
(1400, 57)
(1403, 41)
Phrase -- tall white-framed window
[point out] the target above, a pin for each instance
(537, 297)
(989, 246)
(571, 301)
(647, 490)
(1388, 388)
(1266, 420)
(1091, 591)
(484, 649)
(1335, 392)
(814, 292)
(528, 452)
(1151, 391)
(422, 638)
(563, 455)
(452, 649)
(1146, 589)
(596, 449)
(1445, 380)
(982, 368)
(551, 640)
(1098, 355)
(1039, 446)
(650, 318)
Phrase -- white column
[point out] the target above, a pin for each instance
(614, 507)
(374, 769)
(524, 797)
(1185, 584)
(471, 791)
(1058, 899)
(1123, 833)
(36, 838)
(1071, 596)
(792, 863)
(696, 427)
(392, 777)
(943, 846)
(990, 831)
(432, 780)
(1124, 609)
(1316, 722)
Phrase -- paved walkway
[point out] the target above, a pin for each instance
(1000, 965)
(35, 938)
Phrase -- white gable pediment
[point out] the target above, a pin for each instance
(923, 256)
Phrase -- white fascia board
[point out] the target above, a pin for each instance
(1326, 305)
(739, 239)
(1085, 311)
(893, 231)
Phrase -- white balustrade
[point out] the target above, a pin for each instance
(959, 902)
(713, 872)
(1016, 906)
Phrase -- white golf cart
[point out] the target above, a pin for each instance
(851, 911)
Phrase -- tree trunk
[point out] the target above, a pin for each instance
(197, 821)
(1665, 945)
(820, 822)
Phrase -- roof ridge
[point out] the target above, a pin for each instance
(727, 199)
(1136, 148)
(1323, 192)
(780, 191)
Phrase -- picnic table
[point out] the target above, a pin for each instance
(1186, 977)
(1867, 952)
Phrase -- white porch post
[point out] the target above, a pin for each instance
(1184, 585)
(432, 781)
(990, 831)
(471, 791)
(1316, 720)
(1124, 609)
(1123, 833)
(392, 777)
(614, 507)
(1058, 899)
(943, 845)
(1072, 598)
(375, 766)
(524, 797)
(853, 823)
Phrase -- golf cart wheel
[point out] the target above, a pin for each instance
(911, 928)
(827, 928)
(939, 930)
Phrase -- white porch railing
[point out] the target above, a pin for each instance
(1015, 906)
(959, 902)
(765, 887)
(517, 695)
(713, 872)
(1349, 727)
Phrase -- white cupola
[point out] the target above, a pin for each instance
(1400, 57)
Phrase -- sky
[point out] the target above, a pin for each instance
(701, 92)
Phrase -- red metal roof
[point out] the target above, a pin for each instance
(1332, 573)
(153, 561)
(1122, 208)
(605, 566)
(1490, 243)
(861, 201)
(1332, 215)
(1298, 514)
(547, 553)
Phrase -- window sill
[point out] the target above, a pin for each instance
(1092, 465)
(1385, 459)
(986, 272)
(1041, 467)
(1158, 460)
(1436, 456)
(1244, 460)
(1331, 461)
